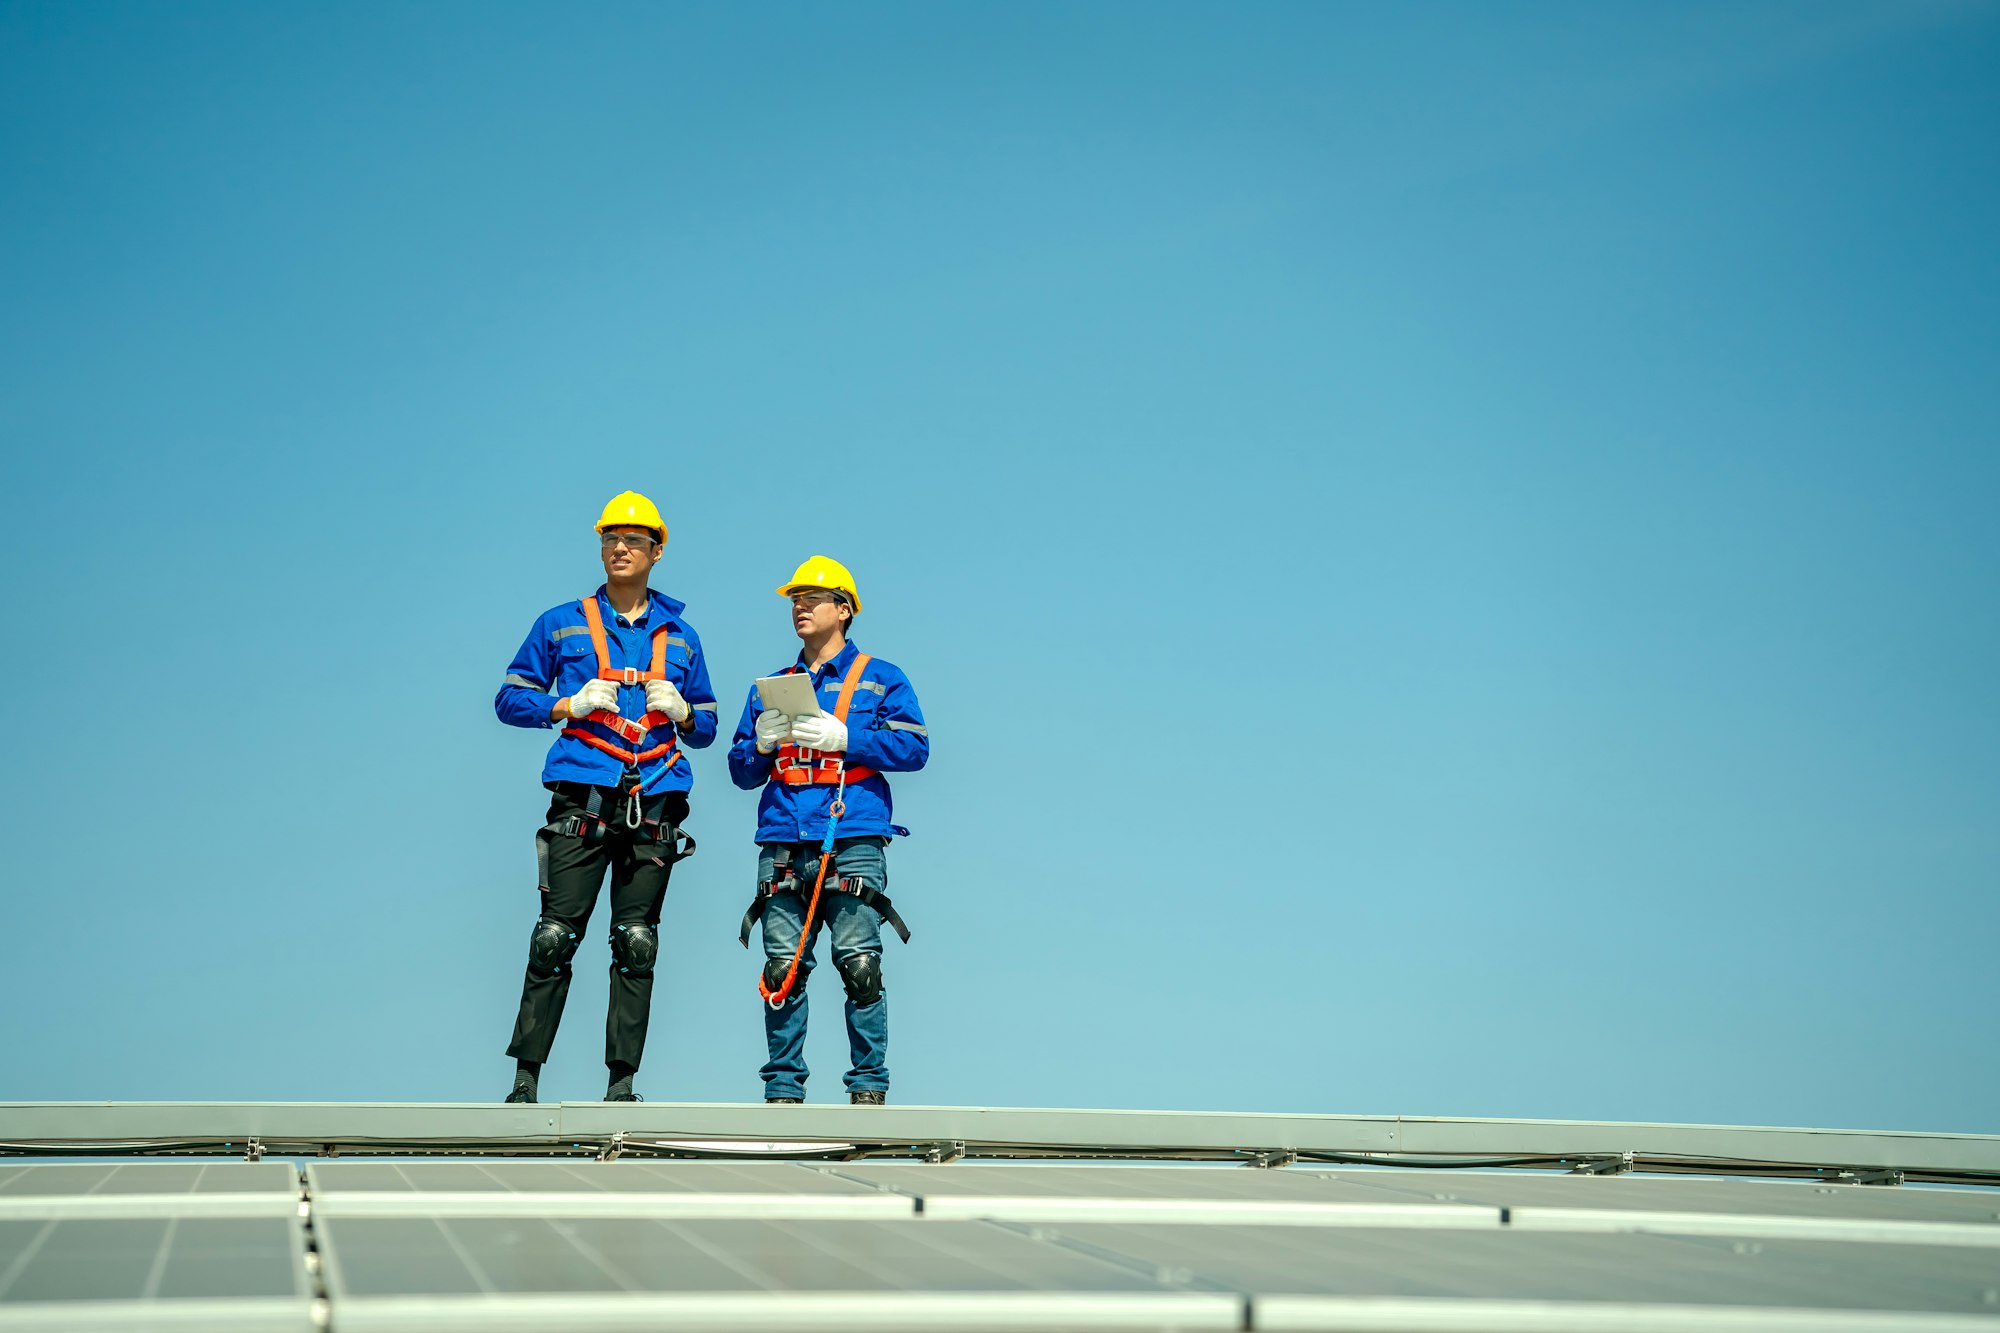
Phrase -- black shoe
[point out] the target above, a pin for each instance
(869, 1097)
(784, 1101)
(621, 1091)
(524, 1088)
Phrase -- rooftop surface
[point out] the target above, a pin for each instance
(587, 1216)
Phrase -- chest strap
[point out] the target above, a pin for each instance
(797, 766)
(634, 734)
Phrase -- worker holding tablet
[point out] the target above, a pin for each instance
(621, 675)
(818, 738)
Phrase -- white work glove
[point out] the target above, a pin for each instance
(772, 729)
(662, 697)
(821, 731)
(600, 696)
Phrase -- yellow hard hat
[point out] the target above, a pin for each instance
(821, 571)
(629, 509)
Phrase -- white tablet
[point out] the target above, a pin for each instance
(792, 695)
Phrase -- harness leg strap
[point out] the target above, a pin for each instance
(761, 903)
(566, 827)
(752, 917)
(872, 897)
(878, 900)
(781, 874)
(569, 826)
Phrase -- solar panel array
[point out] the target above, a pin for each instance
(463, 1244)
(153, 1244)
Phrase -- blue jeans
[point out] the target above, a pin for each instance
(856, 929)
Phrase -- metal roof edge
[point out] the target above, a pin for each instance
(945, 1132)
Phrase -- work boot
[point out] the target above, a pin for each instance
(784, 1101)
(525, 1087)
(621, 1090)
(869, 1097)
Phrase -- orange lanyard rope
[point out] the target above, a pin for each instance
(776, 998)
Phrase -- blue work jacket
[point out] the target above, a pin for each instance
(557, 660)
(885, 731)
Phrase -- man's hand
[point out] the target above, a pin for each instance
(662, 697)
(600, 696)
(772, 729)
(822, 731)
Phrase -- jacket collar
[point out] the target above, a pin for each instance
(841, 660)
(659, 601)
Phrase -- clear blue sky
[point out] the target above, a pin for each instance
(1449, 550)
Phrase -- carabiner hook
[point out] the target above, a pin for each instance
(632, 811)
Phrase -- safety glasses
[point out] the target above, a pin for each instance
(638, 541)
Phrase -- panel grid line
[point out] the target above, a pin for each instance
(159, 1268)
(27, 1254)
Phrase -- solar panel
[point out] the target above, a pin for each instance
(114, 1258)
(104, 1179)
(411, 1241)
(1505, 1264)
(513, 1255)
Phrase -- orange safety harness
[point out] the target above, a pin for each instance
(634, 734)
(797, 766)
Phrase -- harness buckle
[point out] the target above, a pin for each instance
(631, 675)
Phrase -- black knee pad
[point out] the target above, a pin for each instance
(774, 974)
(634, 948)
(550, 948)
(862, 973)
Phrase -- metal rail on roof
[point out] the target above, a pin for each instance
(949, 1133)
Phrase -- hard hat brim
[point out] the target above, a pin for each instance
(787, 589)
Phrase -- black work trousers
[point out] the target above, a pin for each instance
(640, 862)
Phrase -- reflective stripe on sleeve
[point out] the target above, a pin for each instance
(513, 679)
(704, 708)
(907, 726)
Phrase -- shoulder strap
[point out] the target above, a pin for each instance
(595, 622)
(660, 652)
(847, 685)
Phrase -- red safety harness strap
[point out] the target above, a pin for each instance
(633, 733)
(794, 772)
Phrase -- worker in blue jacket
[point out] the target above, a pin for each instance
(815, 771)
(621, 673)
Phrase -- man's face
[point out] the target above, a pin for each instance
(628, 552)
(815, 611)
